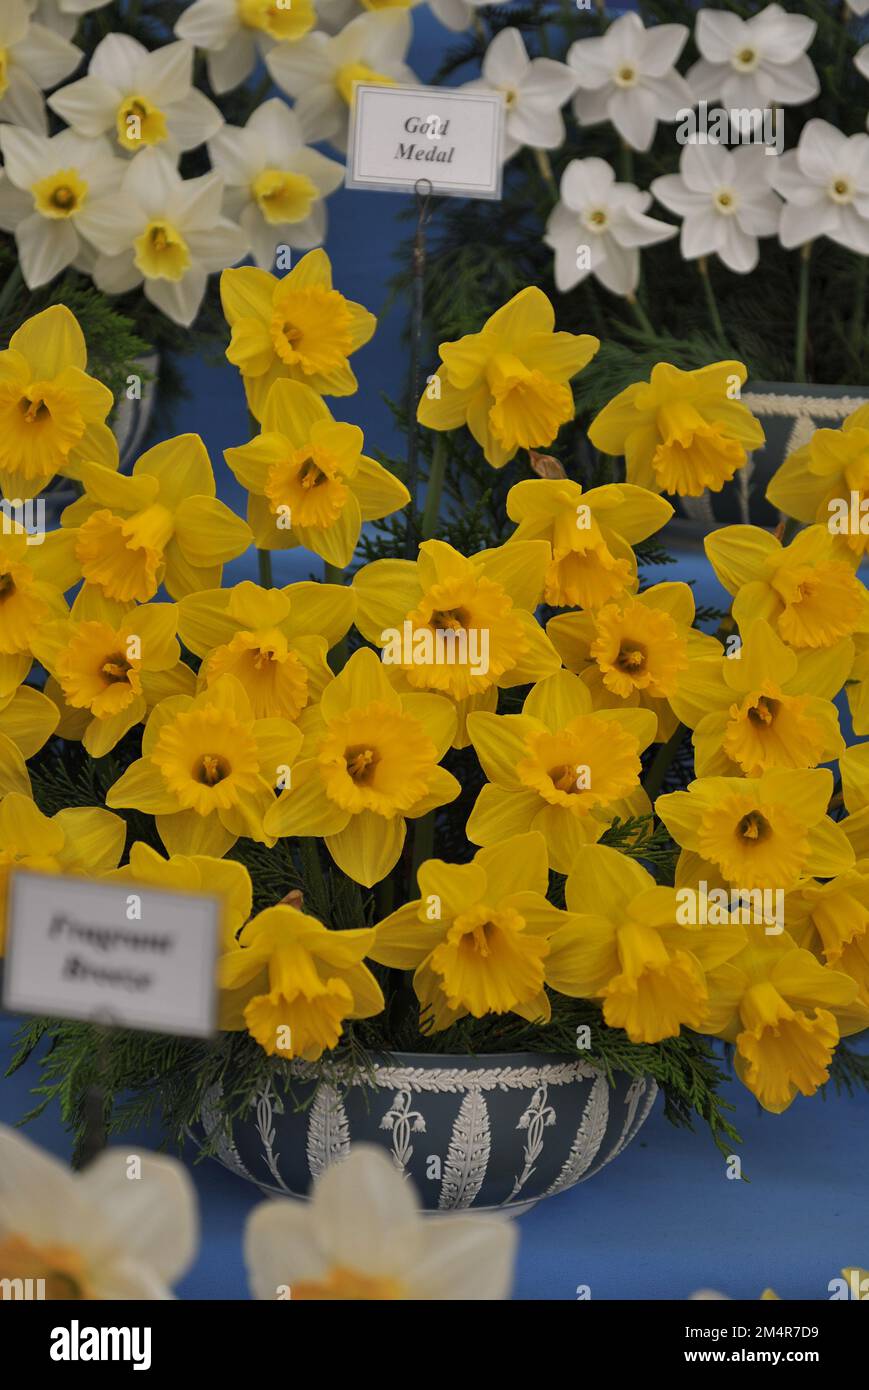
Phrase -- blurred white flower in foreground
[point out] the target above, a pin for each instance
(32, 59)
(165, 231)
(858, 6)
(234, 33)
(598, 226)
(275, 184)
(319, 70)
(726, 202)
(861, 60)
(628, 76)
(47, 192)
(754, 62)
(139, 98)
(63, 15)
(534, 90)
(99, 1234)
(825, 184)
(363, 1237)
(332, 15)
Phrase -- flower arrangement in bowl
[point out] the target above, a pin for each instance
(507, 835)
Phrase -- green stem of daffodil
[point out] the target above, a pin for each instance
(626, 162)
(544, 165)
(857, 332)
(661, 762)
(802, 314)
(423, 844)
(14, 280)
(639, 313)
(264, 566)
(712, 303)
(314, 892)
(333, 575)
(434, 487)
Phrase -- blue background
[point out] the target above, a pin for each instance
(664, 1219)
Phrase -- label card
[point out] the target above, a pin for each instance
(400, 135)
(124, 954)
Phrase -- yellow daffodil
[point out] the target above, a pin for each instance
(509, 382)
(629, 948)
(857, 688)
(78, 840)
(274, 640)
(758, 832)
(369, 760)
(763, 706)
(27, 720)
(832, 920)
(477, 937)
(785, 1012)
(27, 602)
(807, 590)
(193, 873)
(308, 480)
(591, 535)
(208, 769)
(633, 651)
(101, 668)
(560, 768)
(298, 327)
(52, 414)
(827, 481)
(680, 432)
(854, 771)
(462, 627)
(292, 983)
(160, 525)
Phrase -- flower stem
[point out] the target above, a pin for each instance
(434, 487)
(802, 314)
(544, 164)
(626, 163)
(423, 844)
(639, 313)
(661, 762)
(264, 565)
(711, 302)
(14, 281)
(857, 331)
(314, 890)
(339, 653)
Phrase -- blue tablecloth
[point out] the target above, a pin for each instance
(664, 1219)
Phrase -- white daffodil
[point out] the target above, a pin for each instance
(362, 1236)
(32, 59)
(332, 15)
(725, 200)
(114, 1231)
(534, 92)
(46, 189)
(139, 98)
(825, 184)
(234, 33)
(165, 231)
(861, 61)
(275, 183)
(754, 62)
(859, 7)
(62, 16)
(627, 76)
(598, 226)
(320, 70)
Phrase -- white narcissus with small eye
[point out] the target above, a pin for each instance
(165, 231)
(754, 62)
(628, 76)
(139, 98)
(861, 61)
(104, 1233)
(62, 16)
(363, 1236)
(598, 226)
(725, 200)
(332, 15)
(233, 34)
(534, 91)
(275, 183)
(319, 71)
(47, 193)
(825, 185)
(32, 59)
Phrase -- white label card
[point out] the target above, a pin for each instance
(125, 954)
(402, 135)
